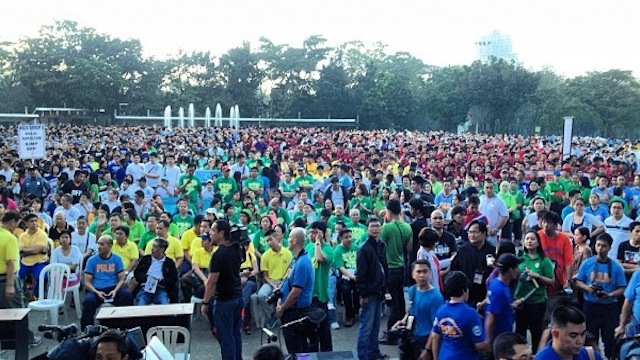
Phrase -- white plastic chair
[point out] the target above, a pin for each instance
(168, 335)
(75, 289)
(53, 298)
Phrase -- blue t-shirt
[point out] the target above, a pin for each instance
(632, 293)
(549, 354)
(302, 276)
(500, 300)
(608, 274)
(460, 328)
(105, 271)
(424, 308)
(601, 212)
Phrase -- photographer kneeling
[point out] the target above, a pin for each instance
(424, 302)
(224, 282)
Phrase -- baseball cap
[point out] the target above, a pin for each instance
(508, 261)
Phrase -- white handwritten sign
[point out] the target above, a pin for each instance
(31, 142)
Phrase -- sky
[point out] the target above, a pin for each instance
(571, 37)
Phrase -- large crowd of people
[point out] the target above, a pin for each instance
(478, 234)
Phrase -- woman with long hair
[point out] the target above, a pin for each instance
(531, 294)
(579, 218)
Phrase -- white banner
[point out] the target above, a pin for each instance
(31, 142)
(567, 137)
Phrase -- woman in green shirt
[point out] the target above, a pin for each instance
(362, 202)
(259, 238)
(531, 293)
(136, 227)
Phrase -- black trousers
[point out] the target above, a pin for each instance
(296, 337)
(350, 297)
(395, 288)
(602, 320)
(530, 317)
(321, 340)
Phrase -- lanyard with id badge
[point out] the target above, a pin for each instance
(151, 285)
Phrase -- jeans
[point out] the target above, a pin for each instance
(35, 271)
(322, 340)
(350, 298)
(395, 288)
(161, 297)
(331, 307)
(529, 317)
(92, 302)
(368, 329)
(248, 289)
(261, 310)
(226, 315)
(602, 320)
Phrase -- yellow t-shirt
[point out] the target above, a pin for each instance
(27, 241)
(248, 263)
(174, 250)
(128, 252)
(202, 257)
(187, 238)
(276, 264)
(9, 251)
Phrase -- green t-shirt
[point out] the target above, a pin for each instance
(321, 283)
(284, 187)
(193, 189)
(136, 231)
(254, 184)
(182, 223)
(260, 242)
(556, 191)
(396, 235)
(335, 219)
(225, 187)
(359, 234)
(145, 238)
(173, 230)
(305, 181)
(345, 257)
(362, 204)
(542, 266)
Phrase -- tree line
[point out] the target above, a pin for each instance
(74, 66)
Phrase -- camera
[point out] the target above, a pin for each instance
(239, 235)
(274, 297)
(205, 236)
(599, 290)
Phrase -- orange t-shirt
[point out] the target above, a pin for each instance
(559, 250)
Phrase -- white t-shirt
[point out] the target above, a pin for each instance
(84, 242)
(74, 257)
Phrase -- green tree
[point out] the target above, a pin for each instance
(614, 96)
(241, 77)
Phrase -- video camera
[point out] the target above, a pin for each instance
(239, 235)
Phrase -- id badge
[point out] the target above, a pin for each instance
(151, 285)
(387, 297)
(477, 278)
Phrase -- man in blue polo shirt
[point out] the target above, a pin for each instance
(297, 290)
(499, 315)
(103, 280)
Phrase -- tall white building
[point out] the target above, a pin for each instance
(495, 45)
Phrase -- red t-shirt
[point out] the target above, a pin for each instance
(560, 252)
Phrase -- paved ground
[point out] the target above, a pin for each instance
(203, 345)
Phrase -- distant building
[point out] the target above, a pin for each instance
(495, 45)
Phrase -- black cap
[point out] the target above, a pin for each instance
(508, 261)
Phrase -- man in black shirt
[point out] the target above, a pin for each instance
(445, 248)
(629, 251)
(224, 283)
(76, 186)
(472, 261)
